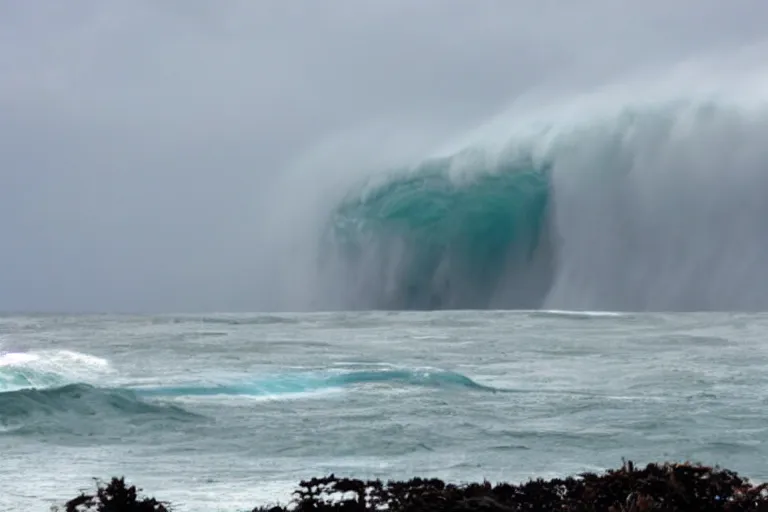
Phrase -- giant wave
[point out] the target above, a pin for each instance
(422, 240)
(645, 206)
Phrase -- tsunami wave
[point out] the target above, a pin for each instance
(647, 206)
(425, 240)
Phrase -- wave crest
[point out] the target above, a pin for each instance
(314, 382)
(646, 207)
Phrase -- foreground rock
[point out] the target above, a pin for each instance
(657, 487)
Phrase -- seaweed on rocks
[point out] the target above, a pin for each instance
(657, 487)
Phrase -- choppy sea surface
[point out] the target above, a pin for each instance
(224, 412)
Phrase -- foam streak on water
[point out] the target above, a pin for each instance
(222, 412)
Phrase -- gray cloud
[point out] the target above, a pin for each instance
(140, 140)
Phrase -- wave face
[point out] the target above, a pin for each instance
(41, 393)
(70, 409)
(426, 239)
(641, 206)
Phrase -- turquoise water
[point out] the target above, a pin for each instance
(450, 237)
(223, 412)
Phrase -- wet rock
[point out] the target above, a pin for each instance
(656, 487)
(116, 496)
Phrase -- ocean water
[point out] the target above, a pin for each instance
(462, 336)
(223, 412)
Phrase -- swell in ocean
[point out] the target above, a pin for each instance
(59, 392)
(643, 205)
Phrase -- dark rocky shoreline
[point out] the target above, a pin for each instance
(656, 487)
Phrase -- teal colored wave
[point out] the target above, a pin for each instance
(307, 383)
(457, 237)
(81, 409)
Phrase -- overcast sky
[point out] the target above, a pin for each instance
(139, 138)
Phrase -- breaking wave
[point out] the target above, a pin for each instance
(644, 206)
(427, 240)
(38, 395)
(57, 391)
